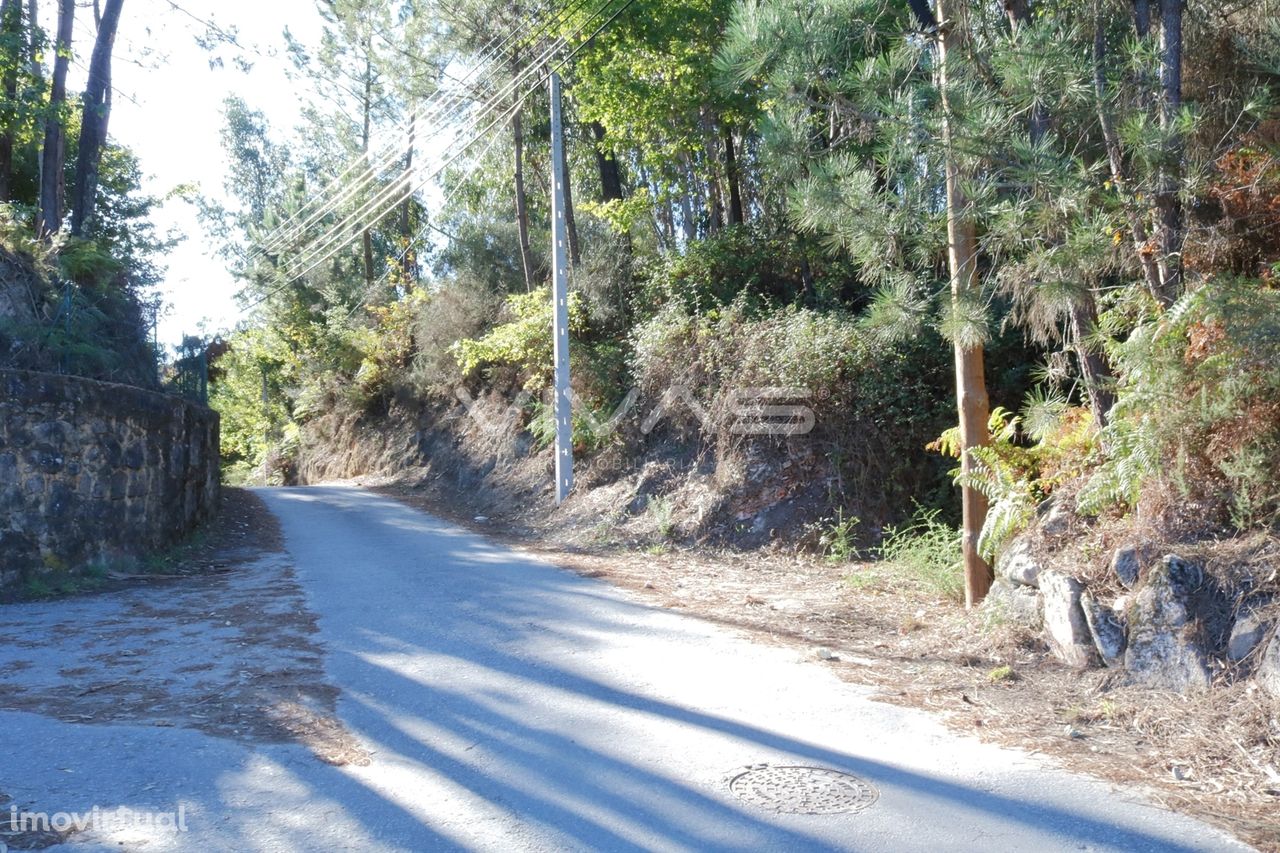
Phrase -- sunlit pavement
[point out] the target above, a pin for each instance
(510, 705)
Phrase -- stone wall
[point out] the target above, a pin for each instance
(92, 472)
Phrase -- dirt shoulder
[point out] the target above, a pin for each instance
(217, 638)
(1215, 756)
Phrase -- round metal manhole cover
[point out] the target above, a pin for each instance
(802, 790)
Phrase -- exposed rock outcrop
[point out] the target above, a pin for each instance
(1107, 628)
(1167, 645)
(1014, 603)
(1018, 566)
(1252, 625)
(1064, 620)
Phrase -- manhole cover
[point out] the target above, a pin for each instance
(802, 790)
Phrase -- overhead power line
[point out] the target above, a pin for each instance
(404, 185)
(337, 232)
(497, 47)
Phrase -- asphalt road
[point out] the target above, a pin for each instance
(509, 705)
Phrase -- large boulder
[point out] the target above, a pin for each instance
(1053, 517)
(1018, 566)
(1014, 603)
(1064, 622)
(1168, 643)
(1107, 629)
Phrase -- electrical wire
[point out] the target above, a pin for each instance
(369, 175)
(335, 239)
(336, 234)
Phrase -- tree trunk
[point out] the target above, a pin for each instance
(570, 221)
(962, 256)
(610, 174)
(737, 215)
(11, 26)
(1093, 367)
(711, 149)
(53, 156)
(924, 14)
(522, 208)
(1142, 18)
(1168, 202)
(1115, 157)
(686, 203)
(94, 119)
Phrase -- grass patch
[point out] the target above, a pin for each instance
(662, 510)
(837, 538)
(1001, 674)
(924, 552)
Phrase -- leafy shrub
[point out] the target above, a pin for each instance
(459, 309)
(751, 266)
(590, 428)
(1199, 405)
(662, 510)
(838, 537)
(523, 344)
(251, 426)
(875, 406)
(1016, 475)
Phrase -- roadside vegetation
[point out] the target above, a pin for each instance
(79, 255)
(762, 199)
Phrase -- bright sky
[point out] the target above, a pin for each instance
(168, 109)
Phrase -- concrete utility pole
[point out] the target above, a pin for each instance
(560, 301)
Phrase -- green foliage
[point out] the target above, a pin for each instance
(662, 510)
(86, 263)
(454, 311)
(1016, 475)
(1200, 396)
(925, 551)
(838, 538)
(875, 405)
(522, 345)
(750, 267)
(590, 428)
(257, 360)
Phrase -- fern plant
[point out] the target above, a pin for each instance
(1015, 476)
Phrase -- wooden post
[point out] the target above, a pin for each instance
(962, 256)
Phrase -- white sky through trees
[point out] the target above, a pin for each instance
(168, 110)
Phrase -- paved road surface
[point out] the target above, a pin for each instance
(509, 706)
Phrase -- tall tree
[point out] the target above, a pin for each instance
(1083, 308)
(962, 258)
(366, 110)
(1168, 201)
(12, 57)
(95, 118)
(408, 258)
(53, 155)
(607, 164)
(521, 197)
(737, 214)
